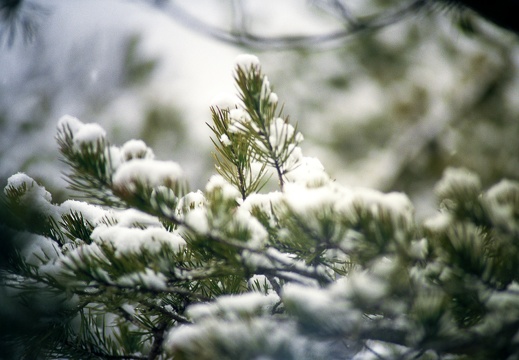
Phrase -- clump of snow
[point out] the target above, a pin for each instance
(151, 173)
(135, 218)
(130, 241)
(281, 132)
(197, 220)
(234, 306)
(235, 338)
(439, 222)
(192, 200)
(321, 307)
(246, 61)
(264, 202)
(136, 149)
(114, 154)
(313, 300)
(224, 139)
(90, 213)
(395, 202)
(419, 249)
(503, 192)
(75, 258)
(366, 287)
(89, 134)
(307, 201)
(70, 122)
(242, 219)
(149, 278)
(225, 101)
(33, 196)
(273, 98)
(308, 171)
(82, 133)
(455, 180)
(502, 201)
(37, 250)
(239, 115)
(217, 182)
(266, 90)
(23, 181)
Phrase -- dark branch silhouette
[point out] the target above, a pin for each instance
(21, 17)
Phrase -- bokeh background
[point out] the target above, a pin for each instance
(389, 108)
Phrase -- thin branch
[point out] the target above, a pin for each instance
(333, 38)
(158, 339)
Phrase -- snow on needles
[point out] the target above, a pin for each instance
(33, 196)
(136, 149)
(234, 306)
(247, 61)
(127, 241)
(151, 173)
(81, 133)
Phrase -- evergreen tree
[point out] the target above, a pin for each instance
(139, 267)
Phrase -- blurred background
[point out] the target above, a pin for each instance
(387, 93)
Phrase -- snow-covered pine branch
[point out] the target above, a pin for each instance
(143, 268)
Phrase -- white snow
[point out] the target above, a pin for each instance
(37, 250)
(91, 213)
(75, 258)
(34, 196)
(242, 219)
(239, 115)
(131, 241)
(308, 171)
(89, 134)
(135, 218)
(439, 222)
(457, 178)
(217, 182)
(395, 203)
(224, 139)
(147, 172)
(366, 287)
(225, 101)
(312, 299)
(70, 122)
(246, 61)
(307, 201)
(501, 201)
(149, 278)
(136, 149)
(233, 306)
(197, 219)
(502, 190)
(192, 200)
(114, 154)
(263, 201)
(82, 133)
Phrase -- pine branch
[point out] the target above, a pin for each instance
(271, 137)
(91, 167)
(234, 157)
(158, 339)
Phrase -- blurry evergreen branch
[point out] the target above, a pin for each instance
(144, 269)
(380, 15)
(23, 16)
(19, 18)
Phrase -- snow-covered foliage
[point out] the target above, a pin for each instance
(144, 269)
